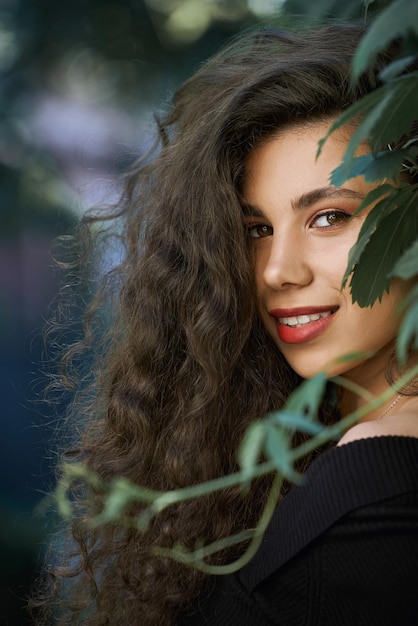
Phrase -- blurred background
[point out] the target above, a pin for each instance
(79, 83)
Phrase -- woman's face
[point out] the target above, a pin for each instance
(301, 234)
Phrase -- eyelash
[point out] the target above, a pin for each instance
(254, 228)
(340, 214)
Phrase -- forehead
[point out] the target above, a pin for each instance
(287, 165)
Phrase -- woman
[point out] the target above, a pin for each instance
(229, 294)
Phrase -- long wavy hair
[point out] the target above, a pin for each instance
(186, 365)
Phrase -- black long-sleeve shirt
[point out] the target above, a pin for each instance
(341, 549)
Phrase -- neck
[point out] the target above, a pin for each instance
(372, 388)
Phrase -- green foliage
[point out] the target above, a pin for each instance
(306, 398)
(120, 493)
(398, 20)
(408, 334)
(386, 232)
(386, 116)
(406, 266)
(383, 196)
(386, 245)
(374, 167)
(272, 435)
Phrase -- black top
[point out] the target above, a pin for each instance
(341, 549)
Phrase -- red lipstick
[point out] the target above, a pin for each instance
(301, 324)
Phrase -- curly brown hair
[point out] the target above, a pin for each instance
(186, 364)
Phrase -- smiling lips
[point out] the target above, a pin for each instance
(299, 325)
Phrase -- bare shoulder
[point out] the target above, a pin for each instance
(403, 424)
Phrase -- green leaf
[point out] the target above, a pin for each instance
(383, 193)
(384, 165)
(295, 422)
(396, 67)
(372, 117)
(398, 19)
(399, 112)
(278, 450)
(386, 116)
(307, 397)
(408, 333)
(370, 103)
(350, 169)
(354, 356)
(397, 230)
(407, 266)
(251, 447)
(392, 197)
(121, 494)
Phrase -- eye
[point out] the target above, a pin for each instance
(330, 218)
(256, 231)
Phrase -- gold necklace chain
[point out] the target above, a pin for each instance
(396, 400)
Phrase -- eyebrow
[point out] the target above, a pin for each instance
(325, 193)
(309, 198)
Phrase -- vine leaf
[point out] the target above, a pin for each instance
(408, 334)
(397, 229)
(386, 116)
(251, 448)
(407, 265)
(396, 67)
(353, 356)
(370, 108)
(391, 197)
(295, 422)
(279, 450)
(307, 397)
(399, 112)
(385, 164)
(121, 493)
(397, 20)
(271, 435)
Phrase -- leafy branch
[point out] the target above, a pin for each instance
(300, 410)
(387, 244)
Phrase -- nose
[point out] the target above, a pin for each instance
(287, 264)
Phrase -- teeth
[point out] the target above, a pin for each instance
(300, 320)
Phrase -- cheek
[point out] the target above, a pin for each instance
(399, 289)
(259, 260)
(328, 259)
(381, 322)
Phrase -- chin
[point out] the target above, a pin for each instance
(330, 368)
